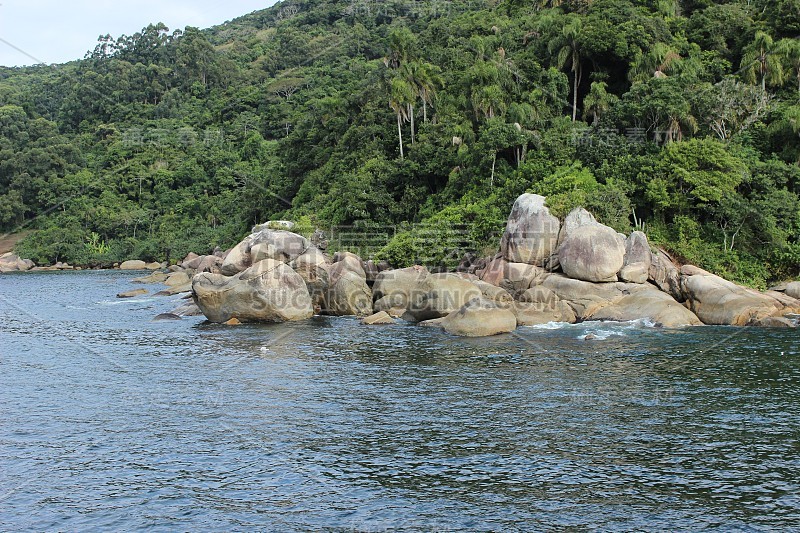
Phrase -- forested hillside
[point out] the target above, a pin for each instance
(679, 117)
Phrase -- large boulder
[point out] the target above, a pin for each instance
(439, 295)
(188, 260)
(493, 293)
(651, 304)
(577, 218)
(345, 256)
(614, 301)
(268, 291)
(638, 258)
(479, 318)
(540, 305)
(531, 234)
(393, 289)
(592, 253)
(279, 245)
(665, 274)
(348, 292)
(177, 278)
(313, 268)
(793, 289)
(133, 265)
(513, 277)
(584, 297)
(202, 263)
(13, 263)
(534, 313)
(718, 301)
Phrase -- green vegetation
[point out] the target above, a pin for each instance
(682, 117)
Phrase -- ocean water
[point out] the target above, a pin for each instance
(109, 420)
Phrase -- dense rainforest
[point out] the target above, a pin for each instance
(407, 129)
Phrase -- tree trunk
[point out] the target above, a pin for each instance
(400, 134)
(576, 82)
(494, 160)
(411, 114)
(575, 97)
(424, 111)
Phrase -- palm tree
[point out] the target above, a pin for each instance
(567, 48)
(791, 52)
(675, 124)
(656, 63)
(597, 101)
(762, 61)
(429, 79)
(489, 100)
(401, 96)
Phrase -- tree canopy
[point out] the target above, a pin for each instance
(679, 115)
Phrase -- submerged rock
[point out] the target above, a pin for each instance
(380, 318)
(187, 309)
(166, 316)
(534, 313)
(132, 294)
(155, 277)
(479, 318)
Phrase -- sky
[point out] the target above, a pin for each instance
(56, 31)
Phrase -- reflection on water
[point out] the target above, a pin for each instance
(110, 420)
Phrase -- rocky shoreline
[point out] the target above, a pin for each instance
(10, 262)
(547, 270)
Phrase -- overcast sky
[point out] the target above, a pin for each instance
(55, 31)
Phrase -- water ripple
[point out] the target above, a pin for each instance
(112, 421)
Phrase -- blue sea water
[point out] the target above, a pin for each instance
(109, 420)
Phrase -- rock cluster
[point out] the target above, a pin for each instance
(546, 271)
(13, 263)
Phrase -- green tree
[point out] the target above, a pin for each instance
(597, 102)
(568, 51)
(791, 53)
(693, 177)
(401, 96)
(762, 61)
(657, 62)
